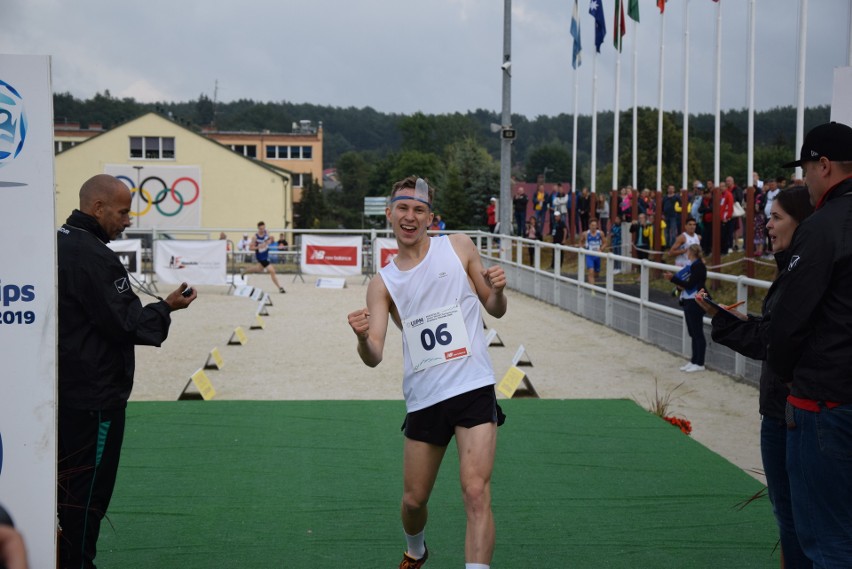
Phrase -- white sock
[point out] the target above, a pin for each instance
(416, 545)
(476, 566)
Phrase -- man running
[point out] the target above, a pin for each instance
(260, 245)
(432, 291)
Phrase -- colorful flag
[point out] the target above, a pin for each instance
(596, 10)
(618, 38)
(633, 9)
(576, 58)
(661, 4)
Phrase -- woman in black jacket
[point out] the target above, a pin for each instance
(749, 337)
(689, 280)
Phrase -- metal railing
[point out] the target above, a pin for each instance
(631, 312)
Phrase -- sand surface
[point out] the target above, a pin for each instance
(306, 350)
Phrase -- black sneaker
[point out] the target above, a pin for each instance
(281, 289)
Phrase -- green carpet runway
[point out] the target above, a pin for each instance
(315, 484)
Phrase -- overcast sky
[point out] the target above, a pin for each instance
(402, 56)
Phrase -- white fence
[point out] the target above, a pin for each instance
(629, 310)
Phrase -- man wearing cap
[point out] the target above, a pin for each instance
(810, 346)
(432, 290)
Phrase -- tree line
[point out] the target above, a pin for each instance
(459, 153)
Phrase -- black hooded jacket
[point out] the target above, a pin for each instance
(100, 319)
(751, 338)
(810, 335)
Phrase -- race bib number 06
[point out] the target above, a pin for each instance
(436, 337)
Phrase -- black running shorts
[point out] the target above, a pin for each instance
(436, 424)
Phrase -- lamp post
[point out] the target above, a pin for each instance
(507, 134)
(138, 191)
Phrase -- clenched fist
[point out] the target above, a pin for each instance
(495, 277)
(360, 323)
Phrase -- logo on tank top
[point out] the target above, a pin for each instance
(442, 274)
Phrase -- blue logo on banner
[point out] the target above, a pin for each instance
(13, 123)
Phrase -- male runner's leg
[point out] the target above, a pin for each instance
(421, 462)
(477, 446)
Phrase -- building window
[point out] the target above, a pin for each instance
(295, 152)
(277, 152)
(247, 150)
(152, 147)
(307, 152)
(297, 180)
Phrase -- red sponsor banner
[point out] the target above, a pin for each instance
(332, 255)
(388, 255)
(451, 355)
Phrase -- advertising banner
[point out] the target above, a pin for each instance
(193, 262)
(163, 196)
(28, 304)
(331, 255)
(129, 252)
(384, 250)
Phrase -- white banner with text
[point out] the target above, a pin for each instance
(28, 304)
(331, 255)
(193, 262)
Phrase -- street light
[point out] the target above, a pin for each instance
(544, 174)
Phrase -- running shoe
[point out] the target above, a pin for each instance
(409, 562)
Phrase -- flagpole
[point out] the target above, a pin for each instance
(594, 119)
(574, 143)
(685, 174)
(751, 42)
(576, 61)
(635, 107)
(717, 94)
(660, 103)
(616, 109)
(800, 79)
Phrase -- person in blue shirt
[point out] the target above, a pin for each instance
(260, 244)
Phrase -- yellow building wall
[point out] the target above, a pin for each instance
(312, 166)
(235, 192)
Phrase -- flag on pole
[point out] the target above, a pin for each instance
(633, 9)
(576, 58)
(596, 10)
(617, 38)
(661, 4)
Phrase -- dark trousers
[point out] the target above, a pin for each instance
(520, 222)
(89, 450)
(820, 472)
(773, 451)
(694, 316)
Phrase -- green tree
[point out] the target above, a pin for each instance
(554, 157)
(472, 177)
(205, 111)
(312, 212)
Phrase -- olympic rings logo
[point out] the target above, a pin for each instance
(161, 194)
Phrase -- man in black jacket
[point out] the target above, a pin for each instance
(100, 321)
(810, 346)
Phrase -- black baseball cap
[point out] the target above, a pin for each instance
(831, 140)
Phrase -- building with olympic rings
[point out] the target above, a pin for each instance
(179, 179)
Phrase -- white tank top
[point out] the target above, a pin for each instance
(439, 281)
(682, 260)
